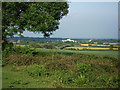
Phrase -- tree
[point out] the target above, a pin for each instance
(31, 16)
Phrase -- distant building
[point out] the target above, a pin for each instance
(114, 43)
(105, 43)
(69, 40)
(95, 42)
(111, 43)
(89, 40)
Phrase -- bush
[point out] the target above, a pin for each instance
(7, 49)
(80, 80)
(61, 62)
(21, 59)
(38, 70)
(83, 67)
(22, 50)
(35, 45)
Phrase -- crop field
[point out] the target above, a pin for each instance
(101, 45)
(90, 48)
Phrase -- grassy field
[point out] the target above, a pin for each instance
(113, 54)
(108, 53)
(19, 78)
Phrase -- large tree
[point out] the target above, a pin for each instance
(32, 16)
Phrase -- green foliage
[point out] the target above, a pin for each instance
(83, 67)
(59, 70)
(48, 46)
(38, 70)
(35, 45)
(108, 81)
(65, 76)
(8, 48)
(65, 53)
(32, 16)
(43, 45)
(80, 79)
(18, 82)
(22, 50)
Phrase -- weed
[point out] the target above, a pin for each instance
(38, 70)
(83, 67)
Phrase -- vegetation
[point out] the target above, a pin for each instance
(31, 16)
(52, 64)
(55, 70)
(91, 48)
(36, 17)
(34, 63)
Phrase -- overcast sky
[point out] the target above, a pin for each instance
(88, 20)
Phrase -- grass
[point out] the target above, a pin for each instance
(102, 53)
(61, 71)
(113, 54)
(18, 77)
(108, 53)
(51, 68)
(21, 79)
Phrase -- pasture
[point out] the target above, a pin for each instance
(113, 54)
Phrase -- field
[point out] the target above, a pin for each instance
(90, 48)
(100, 51)
(51, 68)
(113, 54)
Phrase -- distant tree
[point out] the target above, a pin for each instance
(31, 16)
(48, 46)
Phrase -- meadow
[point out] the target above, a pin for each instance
(27, 67)
(107, 53)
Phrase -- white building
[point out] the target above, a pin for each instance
(89, 40)
(95, 42)
(69, 40)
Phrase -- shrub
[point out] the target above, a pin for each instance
(65, 76)
(81, 79)
(61, 62)
(38, 70)
(21, 59)
(106, 81)
(22, 50)
(35, 45)
(83, 67)
(7, 49)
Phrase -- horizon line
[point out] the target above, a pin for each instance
(61, 37)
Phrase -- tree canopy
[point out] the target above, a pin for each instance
(32, 16)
